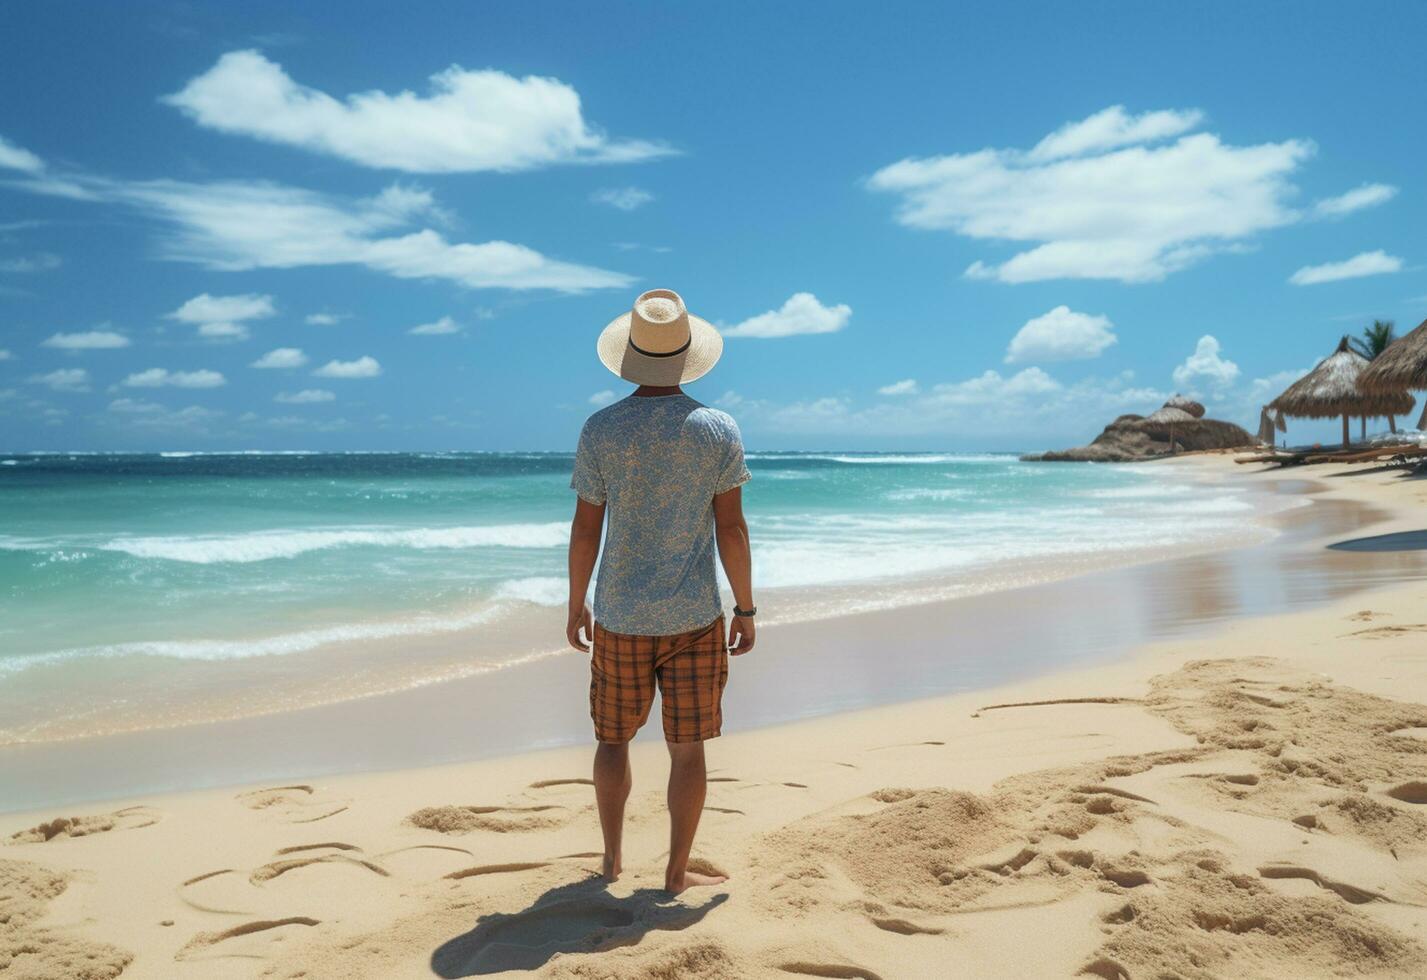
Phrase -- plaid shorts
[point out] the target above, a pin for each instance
(691, 670)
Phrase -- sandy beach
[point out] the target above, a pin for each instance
(1248, 799)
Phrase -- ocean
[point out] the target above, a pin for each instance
(160, 589)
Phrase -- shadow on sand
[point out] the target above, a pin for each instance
(1399, 541)
(580, 917)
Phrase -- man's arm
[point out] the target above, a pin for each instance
(734, 552)
(585, 534)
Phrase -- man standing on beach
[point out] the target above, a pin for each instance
(669, 472)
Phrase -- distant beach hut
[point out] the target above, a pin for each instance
(1331, 390)
(1401, 367)
(1189, 405)
(1165, 419)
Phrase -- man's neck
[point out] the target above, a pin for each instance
(657, 391)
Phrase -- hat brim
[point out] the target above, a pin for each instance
(705, 348)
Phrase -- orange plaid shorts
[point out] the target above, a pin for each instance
(691, 670)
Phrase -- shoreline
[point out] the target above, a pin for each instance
(173, 691)
(539, 702)
(1247, 800)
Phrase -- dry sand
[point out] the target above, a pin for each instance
(1250, 803)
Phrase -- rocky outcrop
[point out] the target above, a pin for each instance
(1134, 437)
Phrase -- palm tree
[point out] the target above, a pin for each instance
(1374, 341)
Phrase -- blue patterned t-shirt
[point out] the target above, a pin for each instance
(657, 462)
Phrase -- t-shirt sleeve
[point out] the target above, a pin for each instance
(587, 480)
(734, 471)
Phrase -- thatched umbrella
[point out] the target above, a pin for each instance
(1331, 389)
(1186, 404)
(1164, 420)
(1401, 367)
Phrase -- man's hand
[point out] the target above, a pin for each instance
(741, 636)
(580, 619)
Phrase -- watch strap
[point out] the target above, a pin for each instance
(744, 613)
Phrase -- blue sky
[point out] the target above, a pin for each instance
(924, 225)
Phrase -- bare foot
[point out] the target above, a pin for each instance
(610, 868)
(691, 879)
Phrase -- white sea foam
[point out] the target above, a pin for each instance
(1140, 491)
(542, 590)
(279, 644)
(265, 545)
(929, 493)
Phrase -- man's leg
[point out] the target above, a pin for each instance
(613, 780)
(687, 784)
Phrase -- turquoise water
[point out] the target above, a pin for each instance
(115, 570)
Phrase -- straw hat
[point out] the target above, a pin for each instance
(659, 342)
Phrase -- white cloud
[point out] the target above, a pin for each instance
(238, 226)
(223, 331)
(206, 308)
(1373, 263)
(1366, 196)
(88, 340)
(42, 262)
(991, 386)
(1207, 366)
(65, 379)
(132, 406)
(162, 377)
(1100, 200)
(5, 355)
(442, 326)
(1264, 390)
(1111, 128)
(307, 396)
(908, 386)
(281, 357)
(602, 397)
(1061, 335)
(13, 157)
(362, 367)
(470, 120)
(801, 314)
(623, 198)
(326, 319)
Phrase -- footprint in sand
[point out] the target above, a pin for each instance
(293, 804)
(1414, 791)
(835, 971)
(251, 940)
(313, 870)
(496, 869)
(499, 819)
(573, 781)
(1348, 893)
(1383, 632)
(906, 745)
(425, 861)
(129, 818)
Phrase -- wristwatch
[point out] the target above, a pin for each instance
(744, 613)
